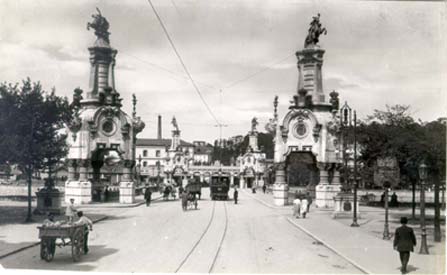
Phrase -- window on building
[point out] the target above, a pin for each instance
(144, 153)
(157, 153)
(307, 148)
(144, 163)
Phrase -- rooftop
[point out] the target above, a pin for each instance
(165, 142)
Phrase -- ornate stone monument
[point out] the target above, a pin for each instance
(252, 163)
(177, 166)
(307, 135)
(101, 136)
(49, 199)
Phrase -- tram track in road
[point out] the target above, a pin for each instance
(204, 253)
(221, 240)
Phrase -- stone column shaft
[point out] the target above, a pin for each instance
(83, 170)
(71, 164)
(324, 176)
(280, 188)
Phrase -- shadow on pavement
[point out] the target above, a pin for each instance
(17, 214)
(8, 247)
(64, 261)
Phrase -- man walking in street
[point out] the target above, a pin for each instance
(296, 206)
(309, 201)
(147, 196)
(404, 241)
(235, 195)
(88, 226)
(264, 188)
(184, 200)
(304, 206)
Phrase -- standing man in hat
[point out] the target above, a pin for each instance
(404, 241)
(235, 195)
(88, 226)
(148, 196)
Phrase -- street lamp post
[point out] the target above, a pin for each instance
(346, 121)
(437, 221)
(423, 177)
(158, 172)
(354, 218)
(386, 229)
(139, 170)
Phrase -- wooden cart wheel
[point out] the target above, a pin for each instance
(76, 247)
(42, 249)
(45, 250)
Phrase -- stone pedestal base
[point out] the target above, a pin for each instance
(80, 191)
(280, 194)
(49, 201)
(127, 192)
(242, 183)
(325, 193)
(344, 206)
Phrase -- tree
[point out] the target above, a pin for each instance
(226, 154)
(30, 128)
(394, 132)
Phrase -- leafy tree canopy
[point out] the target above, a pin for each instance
(30, 124)
(395, 133)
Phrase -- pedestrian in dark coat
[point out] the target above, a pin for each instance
(235, 195)
(88, 225)
(404, 241)
(264, 188)
(309, 201)
(185, 200)
(147, 196)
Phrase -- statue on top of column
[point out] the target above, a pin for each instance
(174, 123)
(254, 123)
(100, 25)
(315, 30)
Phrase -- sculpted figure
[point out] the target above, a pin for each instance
(315, 30)
(100, 25)
(254, 123)
(174, 123)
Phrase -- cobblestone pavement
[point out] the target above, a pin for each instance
(219, 237)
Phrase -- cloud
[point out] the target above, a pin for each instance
(377, 53)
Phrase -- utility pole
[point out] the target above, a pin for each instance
(220, 125)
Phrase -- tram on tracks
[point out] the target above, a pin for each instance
(219, 187)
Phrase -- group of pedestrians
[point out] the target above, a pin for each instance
(301, 205)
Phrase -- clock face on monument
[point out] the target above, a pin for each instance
(108, 127)
(300, 129)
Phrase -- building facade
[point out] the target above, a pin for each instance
(252, 164)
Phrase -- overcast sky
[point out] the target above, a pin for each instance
(377, 53)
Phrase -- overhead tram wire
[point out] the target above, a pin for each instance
(234, 83)
(178, 75)
(182, 63)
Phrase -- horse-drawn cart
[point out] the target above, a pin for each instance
(49, 235)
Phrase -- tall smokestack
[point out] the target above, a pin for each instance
(159, 128)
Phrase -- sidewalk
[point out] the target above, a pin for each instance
(363, 246)
(15, 235)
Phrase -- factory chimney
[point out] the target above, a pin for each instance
(159, 136)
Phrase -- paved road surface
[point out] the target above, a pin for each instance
(219, 237)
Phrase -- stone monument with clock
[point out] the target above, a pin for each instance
(307, 151)
(101, 136)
